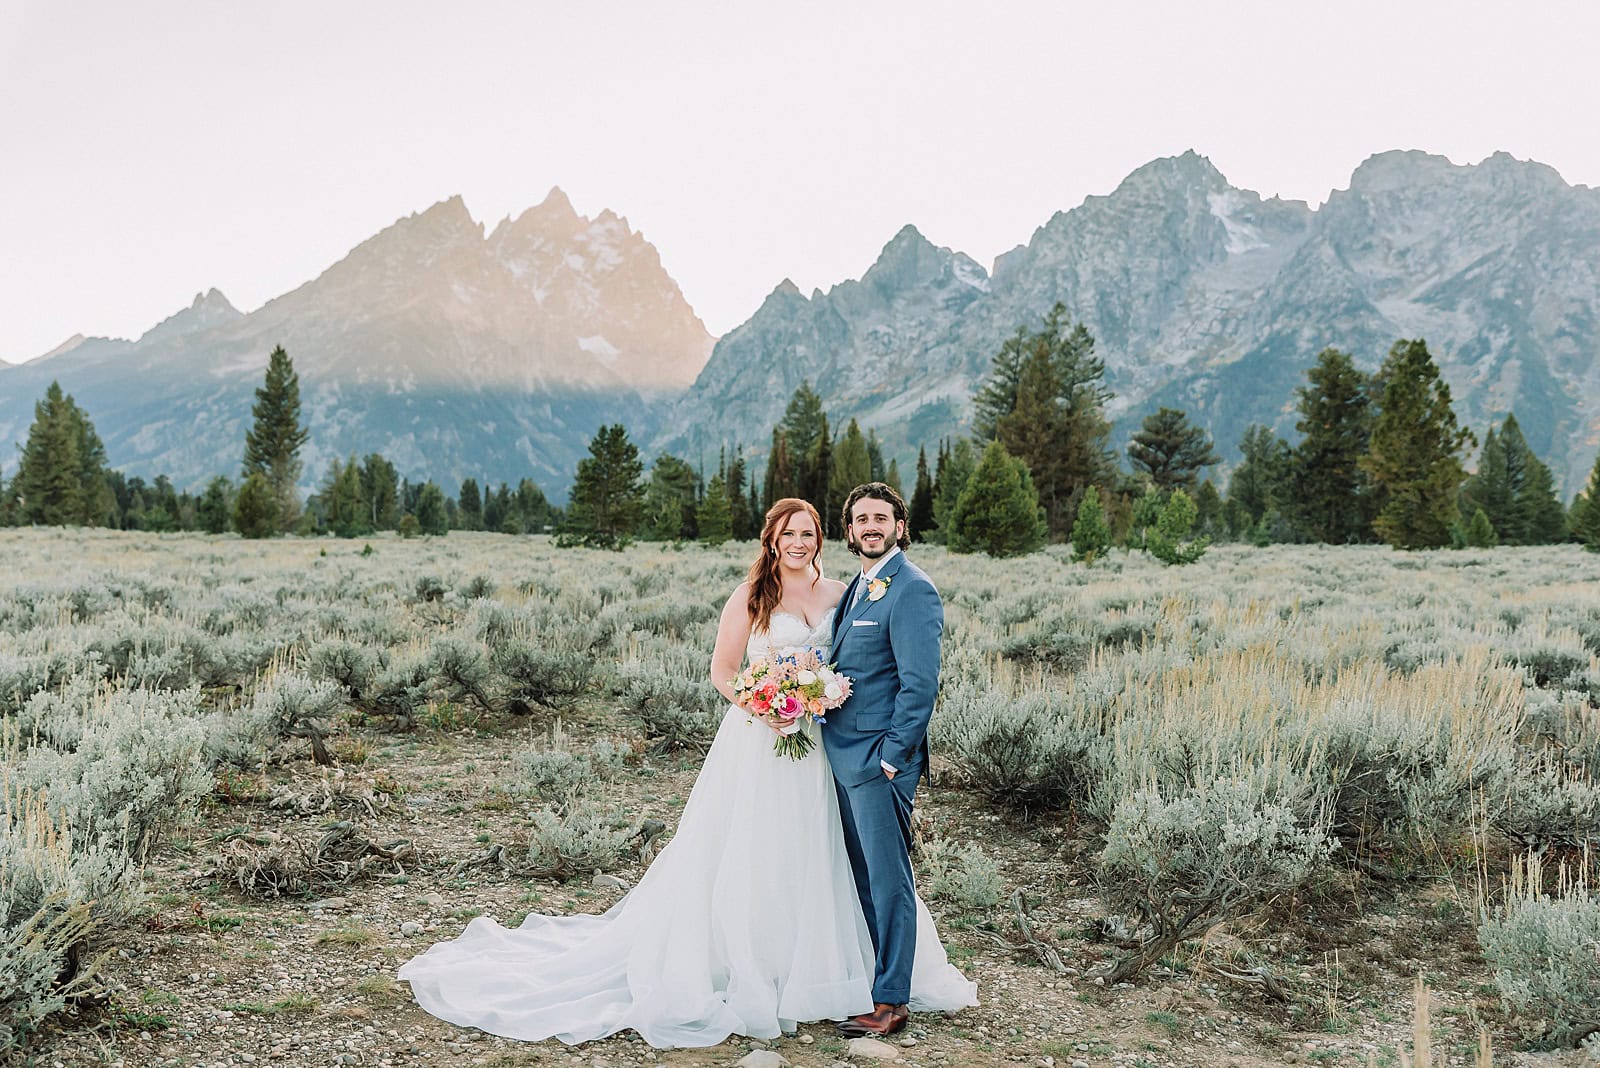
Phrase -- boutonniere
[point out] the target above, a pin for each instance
(877, 587)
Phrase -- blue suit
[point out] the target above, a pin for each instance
(890, 649)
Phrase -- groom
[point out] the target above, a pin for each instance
(886, 639)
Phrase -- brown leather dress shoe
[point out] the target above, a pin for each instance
(882, 1020)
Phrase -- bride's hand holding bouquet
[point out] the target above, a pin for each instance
(783, 690)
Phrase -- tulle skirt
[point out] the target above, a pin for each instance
(746, 923)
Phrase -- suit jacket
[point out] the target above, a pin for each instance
(890, 649)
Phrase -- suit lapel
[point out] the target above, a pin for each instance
(838, 617)
(843, 622)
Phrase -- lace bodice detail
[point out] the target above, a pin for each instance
(787, 631)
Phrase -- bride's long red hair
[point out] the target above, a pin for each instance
(766, 580)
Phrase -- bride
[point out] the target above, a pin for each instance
(748, 921)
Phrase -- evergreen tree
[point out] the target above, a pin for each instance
(469, 505)
(816, 481)
(738, 503)
(1044, 401)
(1586, 513)
(1143, 516)
(1515, 489)
(1171, 450)
(958, 466)
(670, 500)
(1168, 541)
(506, 518)
(380, 490)
(532, 506)
(921, 506)
(99, 506)
(1488, 490)
(891, 477)
(781, 479)
(804, 423)
(49, 481)
(1208, 510)
(1546, 519)
(215, 511)
(998, 512)
(161, 510)
(1091, 538)
(272, 444)
(345, 509)
(1332, 500)
(758, 514)
(715, 515)
(875, 465)
(255, 513)
(1261, 482)
(1415, 455)
(1480, 532)
(607, 495)
(852, 465)
(433, 511)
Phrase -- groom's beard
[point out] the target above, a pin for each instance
(862, 550)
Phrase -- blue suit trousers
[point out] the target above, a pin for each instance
(877, 833)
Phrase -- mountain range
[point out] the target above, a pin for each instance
(1209, 298)
(457, 353)
(452, 352)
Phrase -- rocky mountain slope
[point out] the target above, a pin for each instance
(1209, 298)
(452, 352)
(456, 352)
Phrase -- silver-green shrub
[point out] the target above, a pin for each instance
(1547, 804)
(556, 773)
(1178, 864)
(962, 874)
(1545, 952)
(1034, 752)
(134, 771)
(582, 839)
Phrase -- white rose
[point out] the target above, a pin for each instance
(806, 678)
(832, 691)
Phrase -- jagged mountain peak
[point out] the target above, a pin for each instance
(555, 202)
(785, 292)
(1185, 173)
(60, 350)
(207, 310)
(1401, 167)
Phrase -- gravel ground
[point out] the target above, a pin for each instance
(212, 977)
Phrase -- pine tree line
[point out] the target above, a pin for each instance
(1381, 457)
(63, 480)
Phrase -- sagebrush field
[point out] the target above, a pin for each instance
(1221, 814)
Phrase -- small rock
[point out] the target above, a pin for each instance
(908, 1041)
(327, 903)
(806, 1040)
(1080, 1064)
(410, 929)
(763, 1058)
(433, 900)
(608, 882)
(872, 1049)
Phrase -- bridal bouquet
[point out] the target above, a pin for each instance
(785, 690)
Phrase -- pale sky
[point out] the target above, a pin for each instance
(151, 150)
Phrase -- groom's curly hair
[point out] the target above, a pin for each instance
(877, 491)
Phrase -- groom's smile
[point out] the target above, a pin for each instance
(873, 527)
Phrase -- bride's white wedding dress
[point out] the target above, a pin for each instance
(746, 923)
